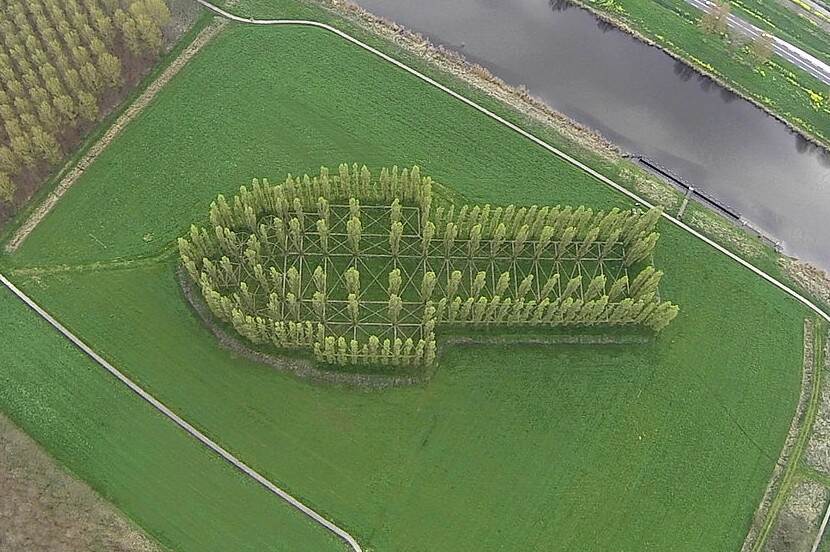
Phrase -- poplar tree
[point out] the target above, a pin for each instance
(662, 316)
(354, 352)
(645, 282)
(354, 231)
(466, 310)
(498, 239)
(503, 283)
(374, 349)
(323, 233)
(428, 285)
(504, 310)
(354, 208)
(543, 242)
(394, 287)
(551, 283)
(453, 281)
(428, 233)
(395, 234)
(618, 288)
(353, 307)
(397, 345)
(596, 287)
(293, 281)
(492, 309)
(407, 353)
(430, 353)
(567, 239)
(352, 277)
(520, 240)
(524, 287)
(342, 351)
(477, 285)
(395, 305)
(474, 241)
(450, 233)
(318, 303)
(641, 249)
(319, 279)
(572, 286)
(453, 309)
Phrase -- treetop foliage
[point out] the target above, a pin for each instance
(361, 270)
(57, 60)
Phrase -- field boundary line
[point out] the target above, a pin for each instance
(532, 137)
(135, 109)
(342, 534)
(798, 437)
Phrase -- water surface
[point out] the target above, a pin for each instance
(647, 103)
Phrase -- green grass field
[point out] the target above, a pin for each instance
(184, 496)
(665, 446)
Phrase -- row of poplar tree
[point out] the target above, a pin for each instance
(56, 62)
(333, 349)
(236, 266)
(495, 231)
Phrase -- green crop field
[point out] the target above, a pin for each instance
(660, 446)
(184, 496)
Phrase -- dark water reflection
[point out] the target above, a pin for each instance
(646, 102)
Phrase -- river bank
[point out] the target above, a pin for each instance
(798, 100)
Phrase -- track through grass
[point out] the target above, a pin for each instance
(531, 448)
(184, 496)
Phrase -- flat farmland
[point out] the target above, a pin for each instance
(182, 495)
(662, 446)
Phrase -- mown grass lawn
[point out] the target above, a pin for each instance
(666, 446)
(184, 496)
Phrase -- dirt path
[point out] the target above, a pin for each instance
(786, 465)
(131, 113)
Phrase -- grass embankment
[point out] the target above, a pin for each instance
(780, 87)
(626, 448)
(183, 495)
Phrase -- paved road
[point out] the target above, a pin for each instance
(341, 533)
(531, 137)
(201, 437)
(793, 54)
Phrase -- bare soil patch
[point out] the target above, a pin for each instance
(44, 508)
(818, 448)
(798, 522)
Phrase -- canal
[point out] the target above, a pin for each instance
(645, 102)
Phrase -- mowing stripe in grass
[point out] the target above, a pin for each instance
(529, 136)
(205, 440)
